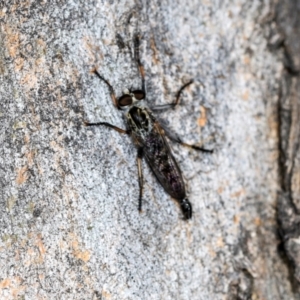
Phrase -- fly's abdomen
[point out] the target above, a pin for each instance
(164, 166)
(148, 135)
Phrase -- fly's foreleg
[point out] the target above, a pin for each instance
(176, 102)
(140, 174)
(120, 130)
(111, 89)
(136, 42)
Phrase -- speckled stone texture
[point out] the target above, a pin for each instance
(69, 223)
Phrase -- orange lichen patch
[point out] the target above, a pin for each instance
(74, 242)
(212, 253)
(26, 139)
(17, 255)
(88, 280)
(246, 60)
(31, 235)
(30, 80)
(23, 243)
(107, 42)
(35, 254)
(14, 285)
(82, 255)
(222, 187)
(236, 219)
(19, 289)
(63, 245)
(41, 43)
(220, 242)
(5, 283)
(189, 235)
(87, 43)
(245, 95)
(13, 8)
(22, 175)
(92, 49)
(106, 295)
(40, 169)
(202, 119)
(273, 126)
(40, 245)
(2, 13)
(30, 155)
(220, 190)
(40, 61)
(12, 41)
(19, 63)
(257, 221)
(238, 193)
(154, 49)
(41, 276)
(30, 251)
(55, 146)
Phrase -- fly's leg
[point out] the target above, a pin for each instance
(179, 141)
(120, 130)
(175, 138)
(136, 42)
(140, 173)
(172, 136)
(139, 156)
(111, 89)
(176, 102)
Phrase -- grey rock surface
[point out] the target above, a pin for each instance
(69, 224)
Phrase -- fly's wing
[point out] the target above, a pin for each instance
(160, 158)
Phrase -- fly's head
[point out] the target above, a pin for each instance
(137, 116)
(130, 98)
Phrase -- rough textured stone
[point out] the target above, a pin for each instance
(70, 228)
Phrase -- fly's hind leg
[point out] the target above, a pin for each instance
(175, 138)
(140, 173)
(171, 135)
(196, 147)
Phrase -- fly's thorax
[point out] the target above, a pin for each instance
(139, 120)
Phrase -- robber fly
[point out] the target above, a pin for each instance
(149, 136)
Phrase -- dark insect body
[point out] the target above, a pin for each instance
(150, 139)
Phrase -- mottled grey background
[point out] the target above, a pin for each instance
(69, 224)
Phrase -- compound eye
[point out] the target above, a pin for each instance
(125, 100)
(138, 94)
